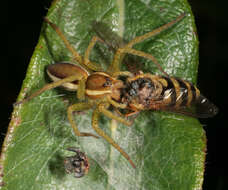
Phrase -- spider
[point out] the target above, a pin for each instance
(101, 88)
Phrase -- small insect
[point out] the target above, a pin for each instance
(154, 92)
(77, 164)
(105, 89)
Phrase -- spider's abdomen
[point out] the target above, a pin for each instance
(59, 71)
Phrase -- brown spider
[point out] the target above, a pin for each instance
(101, 88)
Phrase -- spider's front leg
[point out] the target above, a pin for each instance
(87, 62)
(76, 56)
(114, 67)
(78, 107)
(81, 88)
(95, 119)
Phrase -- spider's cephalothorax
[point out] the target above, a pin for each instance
(100, 85)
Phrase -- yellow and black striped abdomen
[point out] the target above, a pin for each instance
(177, 92)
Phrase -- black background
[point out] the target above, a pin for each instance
(23, 27)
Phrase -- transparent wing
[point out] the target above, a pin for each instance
(204, 108)
(110, 38)
(201, 107)
(114, 41)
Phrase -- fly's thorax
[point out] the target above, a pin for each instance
(141, 90)
(63, 70)
(100, 84)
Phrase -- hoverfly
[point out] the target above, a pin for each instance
(137, 92)
(77, 164)
(154, 92)
(145, 91)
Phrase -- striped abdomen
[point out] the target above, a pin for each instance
(153, 92)
(177, 92)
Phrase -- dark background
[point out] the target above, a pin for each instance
(23, 27)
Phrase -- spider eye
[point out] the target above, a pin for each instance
(108, 82)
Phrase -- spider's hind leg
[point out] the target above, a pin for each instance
(92, 43)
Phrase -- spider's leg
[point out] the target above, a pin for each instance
(92, 43)
(156, 31)
(77, 57)
(99, 131)
(116, 104)
(75, 54)
(114, 67)
(147, 56)
(48, 87)
(122, 73)
(81, 88)
(102, 108)
(117, 59)
(78, 107)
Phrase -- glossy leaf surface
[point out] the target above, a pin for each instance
(168, 149)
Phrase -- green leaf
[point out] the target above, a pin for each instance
(168, 149)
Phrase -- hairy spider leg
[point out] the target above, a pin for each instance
(81, 88)
(119, 53)
(103, 108)
(92, 43)
(140, 54)
(86, 61)
(95, 118)
(48, 87)
(78, 107)
(116, 104)
(155, 32)
(77, 57)
(122, 73)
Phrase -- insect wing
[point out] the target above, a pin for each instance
(201, 108)
(114, 41)
(204, 108)
(110, 38)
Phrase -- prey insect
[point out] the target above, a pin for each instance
(154, 92)
(77, 164)
(103, 89)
